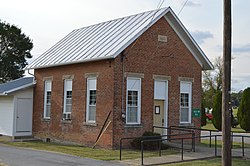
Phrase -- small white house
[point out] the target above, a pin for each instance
(16, 107)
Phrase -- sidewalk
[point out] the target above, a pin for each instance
(201, 152)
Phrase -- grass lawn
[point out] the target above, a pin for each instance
(210, 126)
(212, 162)
(100, 154)
(219, 144)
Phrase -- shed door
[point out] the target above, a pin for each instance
(24, 115)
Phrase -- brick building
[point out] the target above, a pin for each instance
(143, 69)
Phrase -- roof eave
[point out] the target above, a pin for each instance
(30, 85)
(70, 63)
(188, 40)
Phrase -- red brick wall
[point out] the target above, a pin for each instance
(150, 57)
(76, 130)
(147, 56)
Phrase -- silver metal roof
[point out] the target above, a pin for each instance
(16, 85)
(100, 41)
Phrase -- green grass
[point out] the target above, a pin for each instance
(236, 145)
(100, 154)
(210, 126)
(235, 111)
(212, 162)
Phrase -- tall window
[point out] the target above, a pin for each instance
(133, 110)
(91, 100)
(67, 106)
(47, 99)
(185, 102)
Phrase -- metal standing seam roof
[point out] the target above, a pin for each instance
(100, 41)
(16, 85)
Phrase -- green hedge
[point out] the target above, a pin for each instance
(244, 110)
(217, 117)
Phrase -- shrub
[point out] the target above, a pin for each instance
(244, 110)
(217, 117)
(203, 115)
(136, 143)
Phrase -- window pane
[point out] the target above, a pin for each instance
(132, 98)
(92, 113)
(132, 114)
(47, 113)
(92, 97)
(68, 108)
(68, 101)
(184, 114)
(184, 99)
(69, 94)
(48, 100)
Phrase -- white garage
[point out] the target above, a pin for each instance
(16, 107)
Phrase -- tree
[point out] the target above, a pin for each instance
(236, 98)
(212, 83)
(217, 110)
(203, 114)
(244, 110)
(15, 46)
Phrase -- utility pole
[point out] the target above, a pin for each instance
(226, 87)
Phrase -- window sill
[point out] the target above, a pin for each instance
(66, 121)
(46, 120)
(133, 126)
(89, 124)
(186, 125)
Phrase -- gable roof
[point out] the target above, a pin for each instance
(16, 85)
(108, 39)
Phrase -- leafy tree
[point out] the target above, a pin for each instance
(212, 83)
(15, 46)
(217, 113)
(236, 98)
(244, 110)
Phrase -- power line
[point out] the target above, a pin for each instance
(182, 7)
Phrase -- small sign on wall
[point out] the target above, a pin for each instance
(196, 113)
(157, 110)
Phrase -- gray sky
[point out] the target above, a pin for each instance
(47, 21)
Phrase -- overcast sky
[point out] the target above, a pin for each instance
(47, 21)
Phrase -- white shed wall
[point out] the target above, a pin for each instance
(6, 115)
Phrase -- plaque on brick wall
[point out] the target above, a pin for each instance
(196, 113)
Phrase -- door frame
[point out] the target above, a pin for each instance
(163, 97)
(21, 133)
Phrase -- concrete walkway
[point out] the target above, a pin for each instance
(201, 152)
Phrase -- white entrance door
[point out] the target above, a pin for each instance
(24, 115)
(160, 113)
(159, 116)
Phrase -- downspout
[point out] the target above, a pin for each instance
(123, 76)
(34, 80)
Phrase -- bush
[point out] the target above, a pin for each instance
(244, 110)
(136, 143)
(203, 115)
(217, 117)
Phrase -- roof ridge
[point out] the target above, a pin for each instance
(120, 18)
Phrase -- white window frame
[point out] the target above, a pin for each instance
(189, 92)
(89, 88)
(138, 102)
(47, 88)
(65, 95)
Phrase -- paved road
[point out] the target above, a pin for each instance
(236, 138)
(13, 156)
